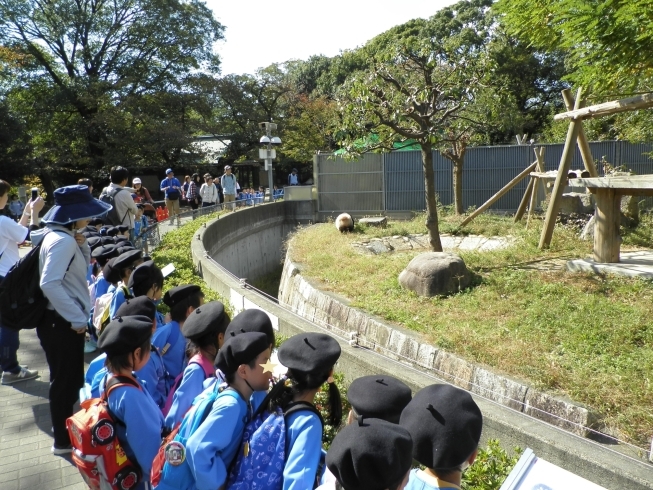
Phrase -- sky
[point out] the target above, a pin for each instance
(261, 33)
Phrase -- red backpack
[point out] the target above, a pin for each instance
(198, 359)
(97, 453)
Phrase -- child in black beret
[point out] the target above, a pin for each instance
(370, 454)
(205, 330)
(126, 343)
(445, 424)
(310, 359)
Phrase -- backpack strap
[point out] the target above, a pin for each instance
(115, 382)
(204, 363)
(301, 406)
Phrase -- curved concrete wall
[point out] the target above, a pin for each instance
(223, 248)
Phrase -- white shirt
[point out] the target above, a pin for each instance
(209, 193)
(11, 235)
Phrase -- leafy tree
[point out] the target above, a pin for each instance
(93, 59)
(606, 42)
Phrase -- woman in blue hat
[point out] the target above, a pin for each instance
(63, 262)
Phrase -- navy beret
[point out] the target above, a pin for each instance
(251, 320)
(110, 273)
(241, 349)
(309, 352)
(124, 334)
(104, 252)
(445, 424)
(379, 397)
(206, 319)
(178, 294)
(127, 259)
(139, 306)
(144, 273)
(370, 455)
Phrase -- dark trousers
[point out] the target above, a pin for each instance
(9, 343)
(64, 351)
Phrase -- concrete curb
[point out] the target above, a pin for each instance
(600, 463)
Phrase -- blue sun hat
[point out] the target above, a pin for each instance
(72, 203)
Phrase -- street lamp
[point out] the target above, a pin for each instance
(268, 154)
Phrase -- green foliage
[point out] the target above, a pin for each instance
(604, 41)
(491, 468)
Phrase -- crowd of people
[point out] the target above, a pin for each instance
(194, 386)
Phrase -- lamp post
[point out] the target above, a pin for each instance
(268, 154)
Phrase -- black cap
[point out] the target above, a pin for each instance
(206, 319)
(104, 252)
(127, 259)
(93, 241)
(178, 294)
(309, 352)
(379, 397)
(145, 272)
(445, 424)
(251, 320)
(124, 334)
(139, 306)
(241, 349)
(110, 273)
(370, 455)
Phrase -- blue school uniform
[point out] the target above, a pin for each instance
(415, 482)
(101, 286)
(304, 450)
(192, 384)
(172, 346)
(212, 448)
(95, 365)
(141, 433)
(118, 299)
(155, 378)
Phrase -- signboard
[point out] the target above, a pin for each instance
(533, 473)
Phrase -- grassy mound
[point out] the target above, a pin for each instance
(585, 336)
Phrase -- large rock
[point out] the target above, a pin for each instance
(577, 203)
(379, 221)
(435, 274)
(630, 210)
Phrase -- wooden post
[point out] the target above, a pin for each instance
(583, 145)
(531, 206)
(606, 227)
(499, 194)
(561, 178)
(524, 200)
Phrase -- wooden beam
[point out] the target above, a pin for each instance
(524, 201)
(499, 194)
(531, 206)
(561, 179)
(583, 145)
(623, 105)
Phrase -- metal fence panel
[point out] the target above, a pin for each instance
(352, 186)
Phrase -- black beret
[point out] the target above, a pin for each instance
(104, 252)
(124, 334)
(370, 455)
(178, 294)
(93, 241)
(145, 272)
(445, 424)
(139, 306)
(309, 352)
(122, 248)
(95, 222)
(89, 229)
(110, 231)
(127, 259)
(147, 258)
(251, 320)
(241, 349)
(122, 228)
(107, 240)
(206, 319)
(379, 397)
(110, 273)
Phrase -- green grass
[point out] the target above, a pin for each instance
(585, 336)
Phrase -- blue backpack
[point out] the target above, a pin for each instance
(262, 455)
(170, 470)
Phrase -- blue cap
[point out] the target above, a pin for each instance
(169, 171)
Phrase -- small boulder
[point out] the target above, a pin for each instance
(379, 221)
(435, 274)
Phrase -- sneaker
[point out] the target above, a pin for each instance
(22, 375)
(90, 346)
(60, 450)
(24, 366)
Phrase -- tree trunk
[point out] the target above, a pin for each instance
(48, 185)
(431, 204)
(458, 183)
